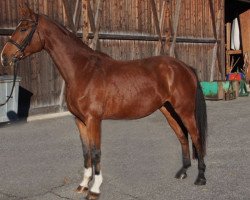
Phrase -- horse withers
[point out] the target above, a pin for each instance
(99, 87)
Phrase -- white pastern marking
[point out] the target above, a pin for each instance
(86, 177)
(97, 183)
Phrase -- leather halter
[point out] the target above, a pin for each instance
(21, 47)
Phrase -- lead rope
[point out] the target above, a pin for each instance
(13, 86)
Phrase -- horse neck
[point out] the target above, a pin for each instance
(68, 52)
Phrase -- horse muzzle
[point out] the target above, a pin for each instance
(4, 60)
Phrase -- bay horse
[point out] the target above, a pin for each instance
(99, 87)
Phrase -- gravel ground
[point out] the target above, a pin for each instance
(42, 160)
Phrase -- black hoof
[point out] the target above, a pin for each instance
(92, 196)
(82, 190)
(200, 181)
(181, 174)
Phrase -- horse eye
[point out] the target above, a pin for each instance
(23, 29)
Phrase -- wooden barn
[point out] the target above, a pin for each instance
(193, 31)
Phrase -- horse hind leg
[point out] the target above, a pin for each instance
(196, 139)
(196, 123)
(181, 133)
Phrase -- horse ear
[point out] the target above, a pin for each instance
(26, 12)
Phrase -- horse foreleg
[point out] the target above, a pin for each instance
(94, 131)
(181, 133)
(84, 185)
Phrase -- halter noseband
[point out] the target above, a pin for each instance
(21, 47)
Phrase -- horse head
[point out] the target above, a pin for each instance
(25, 40)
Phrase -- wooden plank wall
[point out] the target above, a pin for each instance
(195, 37)
(127, 31)
(39, 75)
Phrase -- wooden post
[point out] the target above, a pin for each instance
(162, 16)
(245, 35)
(91, 17)
(157, 24)
(77, 14)
(160, 46)
(222, 39)
(215, 49)
(86, 26)
(97, 25)
(222, 42)
(168, 28)
(213, 18)
(69, 14)
(175, 27)
(228, 44)
(156, 20)
(91, 22)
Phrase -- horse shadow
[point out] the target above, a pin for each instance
(24, 99)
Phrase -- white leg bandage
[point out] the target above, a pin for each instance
(86, 177)
(97, 183)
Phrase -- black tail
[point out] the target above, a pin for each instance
(201, 119)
